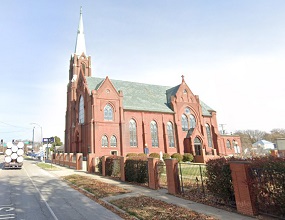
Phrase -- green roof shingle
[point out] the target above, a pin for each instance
(143, 97)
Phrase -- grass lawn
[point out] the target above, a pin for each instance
(47, 166)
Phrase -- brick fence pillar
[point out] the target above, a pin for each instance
(173, 184)
(91, 163)
(64, 159)
(245, 200)
(79, 161)
(122, 168)
(53, 157)
(70, 156)
(104, 165)
(152, 173)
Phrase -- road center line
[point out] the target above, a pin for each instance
(42, 197)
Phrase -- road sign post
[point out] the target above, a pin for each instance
(48, 141)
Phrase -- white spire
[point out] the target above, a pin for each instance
(80, 40)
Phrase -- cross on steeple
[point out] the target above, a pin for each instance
(182, 78)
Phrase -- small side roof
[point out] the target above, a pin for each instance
(264, 143)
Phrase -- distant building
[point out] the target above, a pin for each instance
(115, 117)
(262, 148)
(280, 145)
(59, 149)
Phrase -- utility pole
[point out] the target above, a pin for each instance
(222, 126)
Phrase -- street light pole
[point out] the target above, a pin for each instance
(33, 138)
(41, 133)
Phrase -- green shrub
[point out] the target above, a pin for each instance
(188, 157)
(136, 169)
(165, 156)
(100, 165)
(142, 155)
(131, 155)
(154, 155)
(268, 175)
(177, 156)
(113, 166)
(219, 179)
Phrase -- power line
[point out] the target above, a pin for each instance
(2, 132)
(13, 125)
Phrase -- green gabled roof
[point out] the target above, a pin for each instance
(171, 92)
(137, 96)
(206, 110)
(144, 97)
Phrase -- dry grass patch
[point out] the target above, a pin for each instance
(144, 207)
(97, 188)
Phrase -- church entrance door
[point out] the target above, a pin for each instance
(197, 146)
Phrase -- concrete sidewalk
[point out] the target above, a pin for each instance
(161, 194)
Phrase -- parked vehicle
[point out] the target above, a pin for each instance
(14, 155)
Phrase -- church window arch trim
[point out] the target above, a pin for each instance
(192, 121)
(170, 134)
(104, 141)
(209, 135)
(108, 113)
(81, 110)
(154, 134)
(228, 143)
(133, 133)
(184, 122)
(113, 141)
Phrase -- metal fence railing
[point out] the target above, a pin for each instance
(192, 177)
(161, 175)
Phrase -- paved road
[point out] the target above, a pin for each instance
(32, 193)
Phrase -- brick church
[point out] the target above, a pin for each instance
(115, 117)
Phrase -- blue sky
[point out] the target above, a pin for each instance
(230, 52)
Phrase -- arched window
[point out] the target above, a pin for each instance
(228, 144)
(154, 134)
(113, 141)
(236, 147)
(170, 134)
(184, 121)
(81, 110)
(209, 136)
(192, 121)
(104, 141)
(133, 133)
(108, 113)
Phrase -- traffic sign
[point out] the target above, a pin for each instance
(48, 140)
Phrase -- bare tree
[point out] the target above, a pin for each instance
(274, 134)
(248, 137)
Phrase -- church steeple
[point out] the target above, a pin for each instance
(80, 40)
(79, 61)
